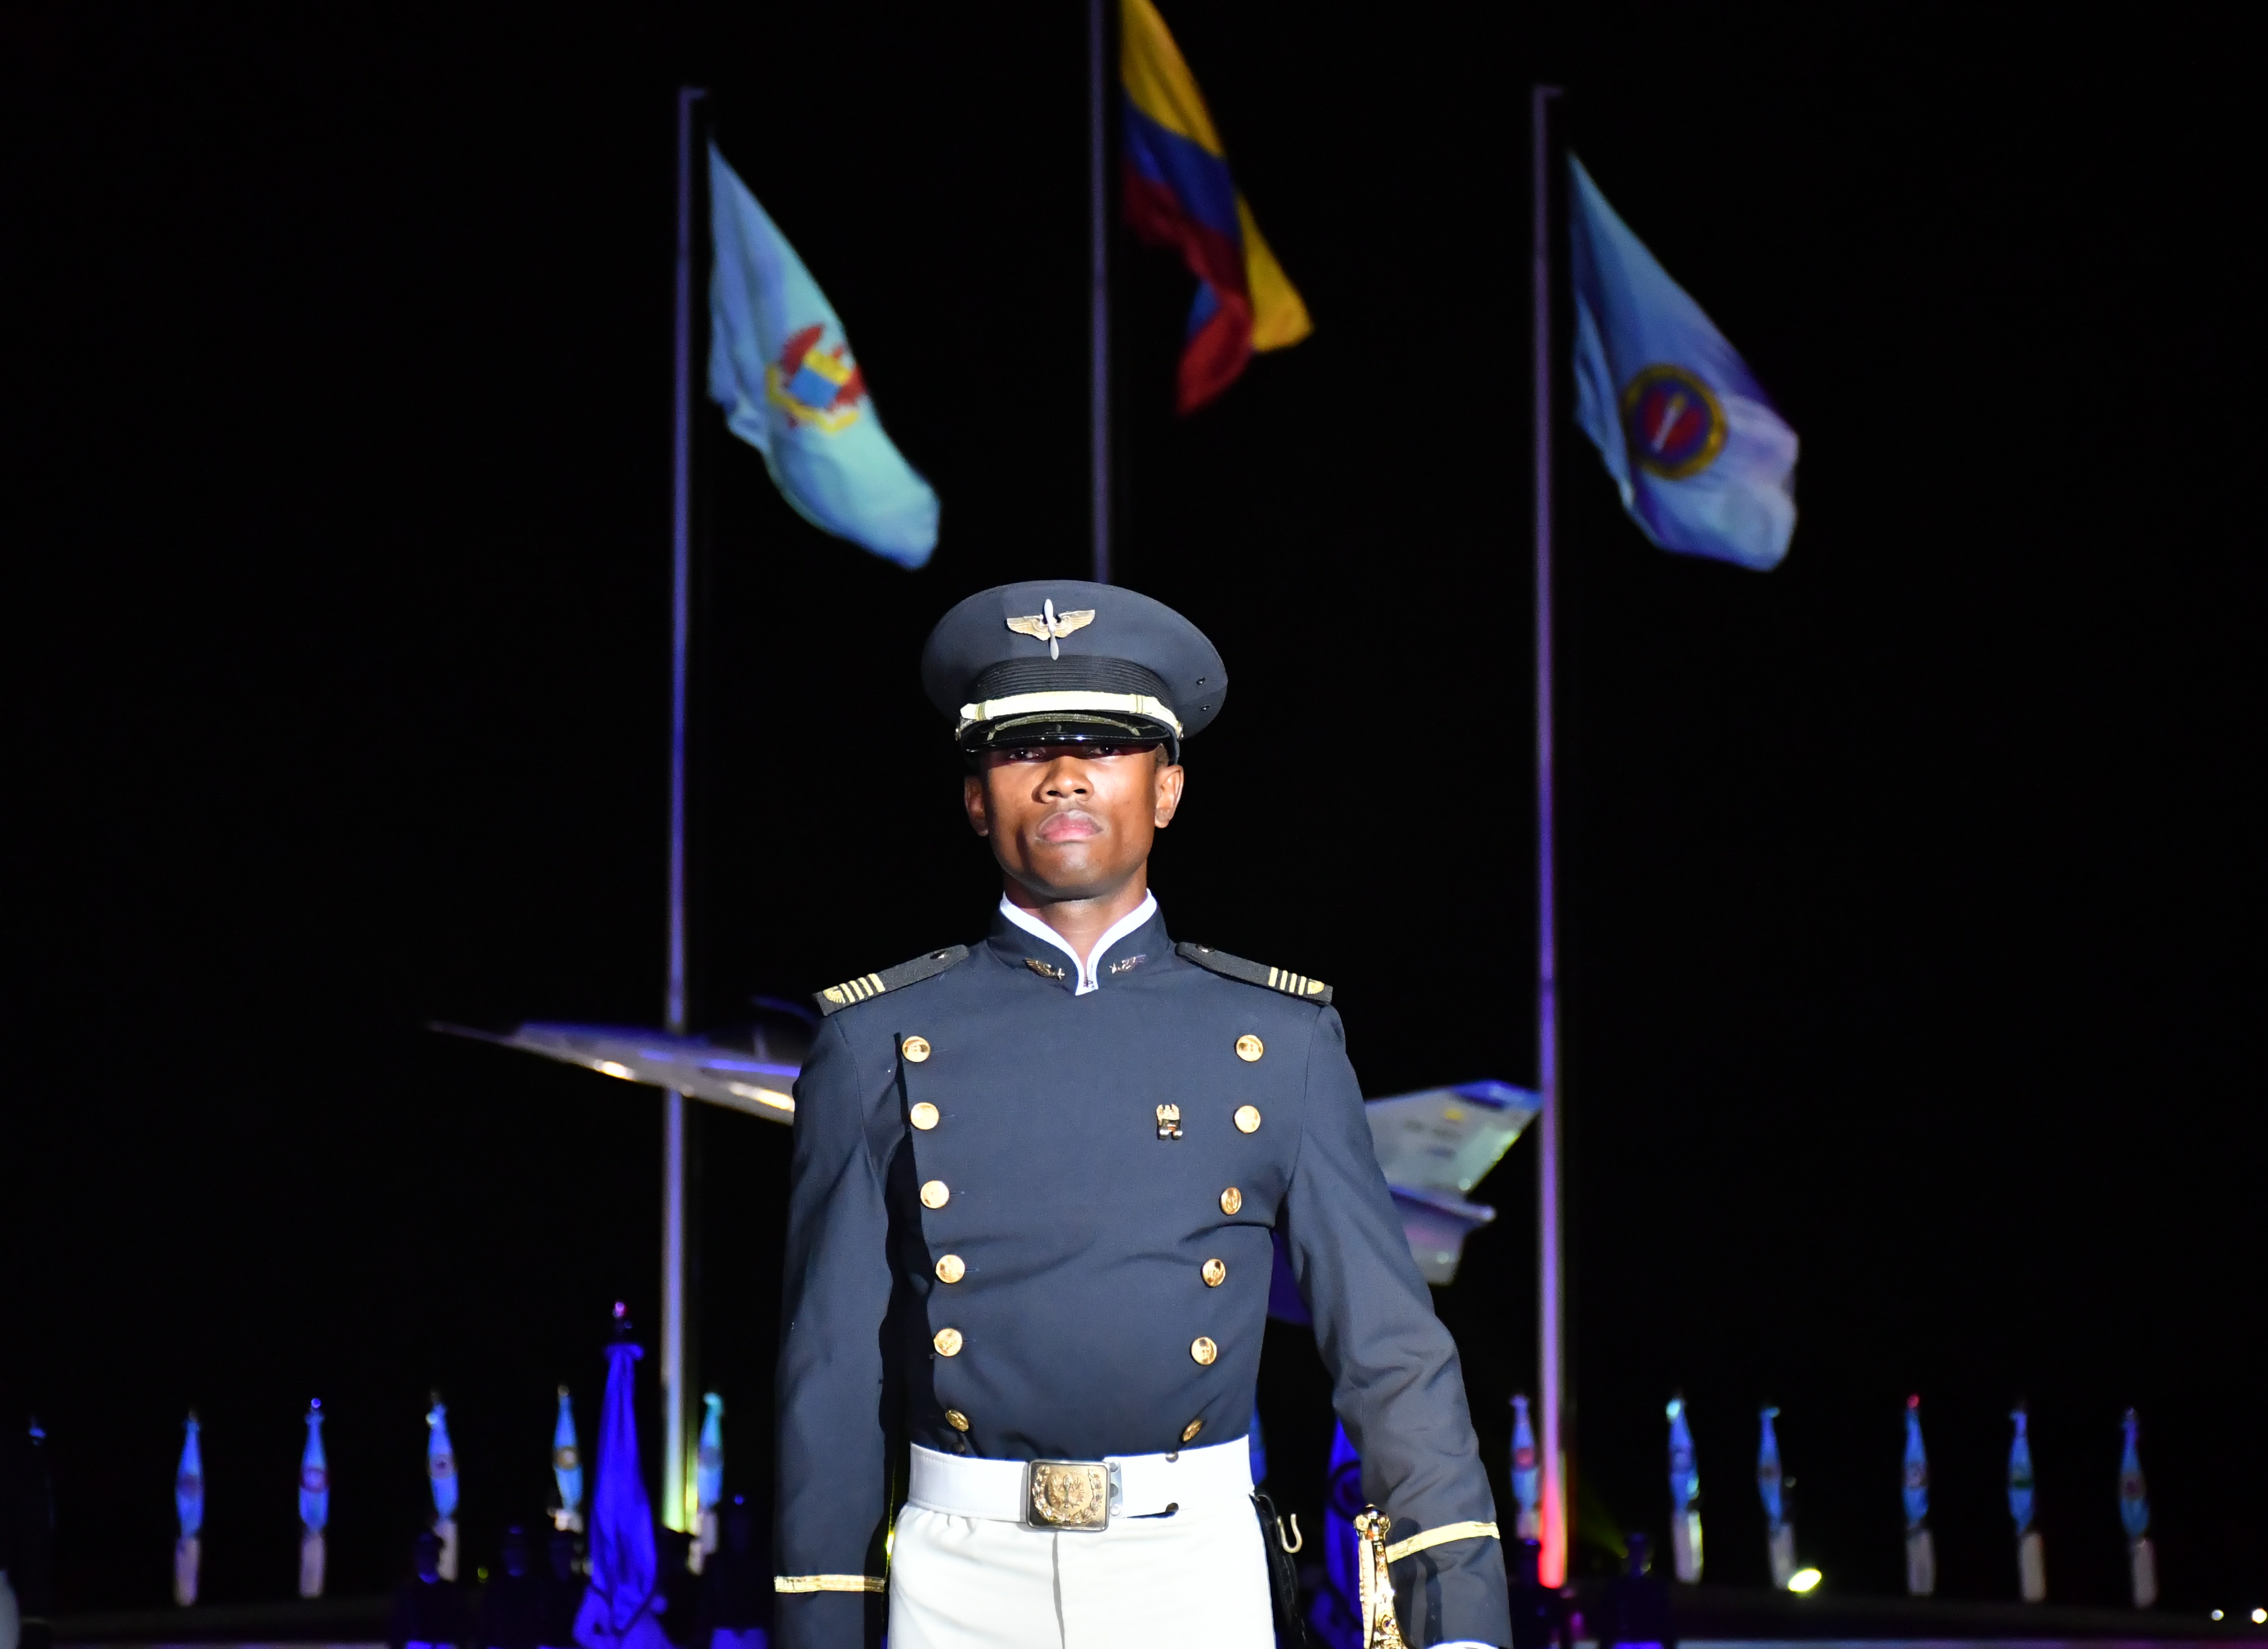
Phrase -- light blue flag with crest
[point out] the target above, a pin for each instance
(189, 1481)
(1768, 1473)
(567, 1466)
(1705, 465)
(781, 367)
(441, 1460)
(1526, 1477)
(2020, 1473)
(709, 1459)
(2133, 1497)
(314, 1474)
(1917, 1469)
(1685, 1475)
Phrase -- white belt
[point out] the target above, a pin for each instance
(1140, 1485)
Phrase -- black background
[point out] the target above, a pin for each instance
(1909, 914)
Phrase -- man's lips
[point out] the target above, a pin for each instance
(1071, 827)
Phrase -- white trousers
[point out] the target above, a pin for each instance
(1199, 1577)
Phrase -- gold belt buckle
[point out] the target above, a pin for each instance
(1071, 1494)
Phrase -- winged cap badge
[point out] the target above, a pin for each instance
(1051, 626)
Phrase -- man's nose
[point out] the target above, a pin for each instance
(1066, 776)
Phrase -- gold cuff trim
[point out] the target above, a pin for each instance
(826, 1583)
(1442, 1535)
(1042, 703)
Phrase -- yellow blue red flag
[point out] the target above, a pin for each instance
(1179, 194)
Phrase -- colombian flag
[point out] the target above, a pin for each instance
(1179, 194)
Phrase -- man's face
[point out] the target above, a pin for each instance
(1073, 821)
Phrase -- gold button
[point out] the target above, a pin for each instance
(1201, 1348)
(1248, 1048)
(948, 1342)
(957, 1420)
(934, 1195)
(925, 1116)
(1248, 1119)
(1214, 1273)
(1231, 1200)
(916, 1048)
(950, 1268)
(1191, 1429)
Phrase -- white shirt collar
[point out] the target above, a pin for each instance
(1085, 970)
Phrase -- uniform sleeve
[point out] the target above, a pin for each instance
(836, 1293)
(1396, 1382)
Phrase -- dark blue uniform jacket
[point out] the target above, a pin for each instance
(1083, 1240)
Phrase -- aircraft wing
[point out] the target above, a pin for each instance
(1435, 1145)
(732, 1078)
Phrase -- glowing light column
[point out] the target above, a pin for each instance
(1551, 1447)
(674, 1383)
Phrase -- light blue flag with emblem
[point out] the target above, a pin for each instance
(2020, 1473)
(1705, 465)
(441, 1460)
(781, 367)
(1685, 1476)
(1527, 1476)
(567, 1466)
(1768, 1474)
(708, 1459)
(189, 1481)
(314, 1475)
(1917, 1469)
(2133, 1498)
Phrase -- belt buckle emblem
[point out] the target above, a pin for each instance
(1078, 1495)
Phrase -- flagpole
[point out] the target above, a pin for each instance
(1549, 1301)
(1098, 230)
(673, 1383)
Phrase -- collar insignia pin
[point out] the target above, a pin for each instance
(1051, 626)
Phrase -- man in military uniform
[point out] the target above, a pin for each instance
(1028, 1244)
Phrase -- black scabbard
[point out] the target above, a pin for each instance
(1282, 1578)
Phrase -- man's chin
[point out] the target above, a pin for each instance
(1065, 870)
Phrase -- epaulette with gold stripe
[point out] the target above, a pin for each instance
(1255, 973)
(834, 998)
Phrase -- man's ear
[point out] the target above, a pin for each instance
(1167, 794)
(972, 803)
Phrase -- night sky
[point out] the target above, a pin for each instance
(1909, 892)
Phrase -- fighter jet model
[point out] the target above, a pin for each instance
(1435, 1145)
(738, 1079)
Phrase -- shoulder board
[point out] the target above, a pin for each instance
(1255, 973)
(834, 998)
